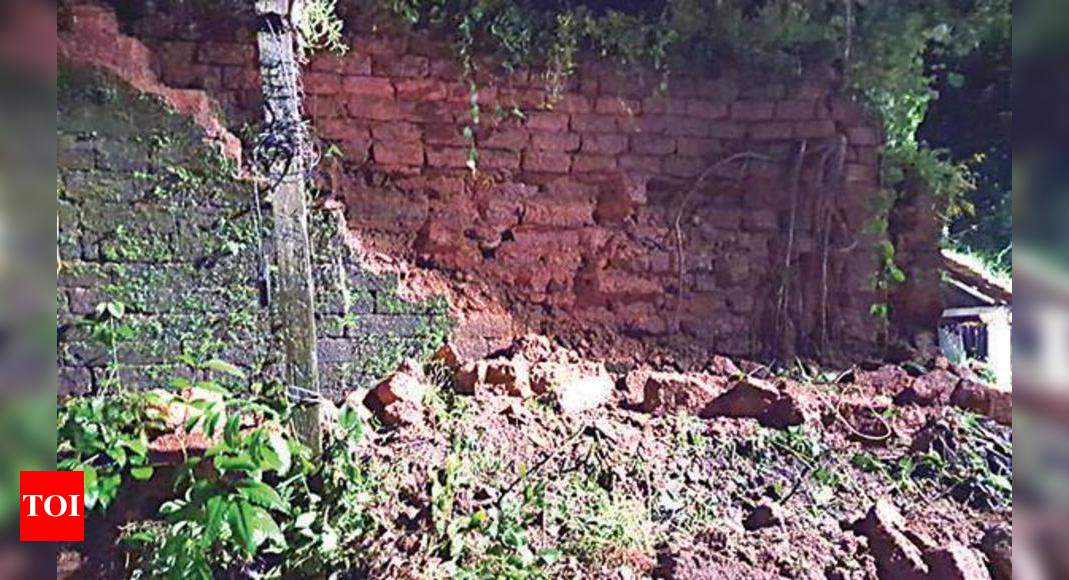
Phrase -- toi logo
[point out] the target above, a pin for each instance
(51, 506)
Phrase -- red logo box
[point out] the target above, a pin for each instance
(51, 506)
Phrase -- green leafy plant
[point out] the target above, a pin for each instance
(106, 437)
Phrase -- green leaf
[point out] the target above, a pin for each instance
(956, 80)
(351, 423)
(141, 473)
(115, 309)
(89, 476)
(252, 526)
(240, 462)
(215, 516)
(117, 454)
(278, 453)
(224, 367)
(304, 520)
(262, 495)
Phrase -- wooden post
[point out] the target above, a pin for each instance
(294, 297)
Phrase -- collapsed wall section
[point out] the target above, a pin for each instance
(726, 214)
(162, 258)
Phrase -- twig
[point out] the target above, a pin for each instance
(888, 430)
(782, 299)
(541, 463)
(745, 155)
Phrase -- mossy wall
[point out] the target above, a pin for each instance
(153, 223)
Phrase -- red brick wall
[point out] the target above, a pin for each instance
(571, 222)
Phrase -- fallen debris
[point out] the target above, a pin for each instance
(398, 399)
(763, 515)
(754, 398)
(666, 393)
(997, 545)
(575, 387)
(928, 390)
(984, 400)
(895, 554)
(956, 562)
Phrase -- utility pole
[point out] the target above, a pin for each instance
(282, 148)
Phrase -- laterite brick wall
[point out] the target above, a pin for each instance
(153, 222)
(587, 218)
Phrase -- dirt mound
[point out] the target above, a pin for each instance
(684, 475)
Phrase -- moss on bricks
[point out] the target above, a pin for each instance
(153, 223)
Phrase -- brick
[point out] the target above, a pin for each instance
(858, 173)
(447, 134)
(706, 110)
(546, 162)
(865, 155)
(341, 129)
(664, 105)
(434, 112)
(239, 77)
(398, 152)
(751, 111)
(559, 213)
(352, 63)
(374, 108)
(697, 146)
(647, 124)
(812, 89)
(547, 121)
(396, 131)
(205, 77)
(723, 219)
(814, 129)
(724, 90)
(771, 130)
(498, 159)
(683, 166)
(321, 83)
(686, 126)
(593, 123)
(446, 68)
(644, 163)
(174, 54)
(225, 53)
(357, 151)
(847, 111)
(653, 145)
(509, 138)
(618, 82)
(408, 65)
(604, 144)
(367, 87)
(865, 136)
(447, 157)
(726, 130)
(571, 103)
(551, 141)
(386, 45)
(522, 98)
(421, 90)
(587, 163)
(356, 64)
(795, 110)
(617, 106)
(760, 220)
(321, 107)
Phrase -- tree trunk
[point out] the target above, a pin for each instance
(284, 144)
